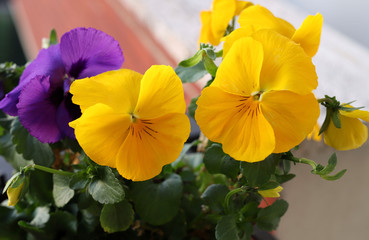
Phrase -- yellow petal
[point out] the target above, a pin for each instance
(13, 194)
(239, 72)
(161, 93)
(118, 89)
(308, 35)
(241, 5)
(315, 134)
(271, 193)
(291, 115)
(101, 131)
(151, 144)
(206, 35)
(234, 36)
(352, 134)
(236, 122)
(223, 12)
(262, 18)
(285, 66)
(364, 115)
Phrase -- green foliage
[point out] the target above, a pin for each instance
(226, 228)
(216, 161)
(157, 203)
(259, 173)
(268, 218)
(29, 146)
(116, 217)
(214, 197)
(61, 192)
(105, 187)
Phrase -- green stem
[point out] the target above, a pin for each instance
(303, 160)
(51, 170)
(229, 195)
(322, 100)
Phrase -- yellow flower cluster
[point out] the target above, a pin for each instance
(261, 100)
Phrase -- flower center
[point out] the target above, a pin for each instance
(133, 118)
(257, 95)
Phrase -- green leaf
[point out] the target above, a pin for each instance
(216, 161)
(268, 218)
(61, 223)
(327, 121)
(191, 74)
(336, 176)
(192, 107)
(14, 178)
(106, 188)
(53, 37)
(284, 178)
(41, 187)
(79, 181)
(192, 60)
(210, 52)
(336, 119)
(259, 173)
(226, 228)
(36, 232)
(214, 196)
(332, 162)
(61, 192)
(210, 65)
(7, 150)
(269, 185)
(41, 217)
(29, 146)
(116, 217)
(157, 203)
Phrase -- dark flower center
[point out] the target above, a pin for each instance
(77, 68)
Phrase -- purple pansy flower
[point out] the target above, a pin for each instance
(42, 99)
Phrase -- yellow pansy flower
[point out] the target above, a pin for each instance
(215, 22)
(352, 134)
(132, 122)
(271, 193)
(257, 17)
(260, 101)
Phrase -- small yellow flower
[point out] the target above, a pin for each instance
(257, 17)
(260, 101)
(14, 194)
(131, 122)
(315, 134)
(271, 193)
(215, 22)
(352, 134)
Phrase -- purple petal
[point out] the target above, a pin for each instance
(47, 63)
(67, 112)
(88, 52)
(37, 110)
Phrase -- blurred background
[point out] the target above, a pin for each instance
(166, 31)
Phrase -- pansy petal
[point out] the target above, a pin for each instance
(363, 115)
(223, 12)
(236, 122)
(285, 66)
(262, 18)
(234, 36)
(241, 5)
(151, 144)
(66, 113)
(308, 34)
(118, 89)
(36, 112)
(291, 115)
(240, 70)
(161, 93)
(206, 35)
(47, 63)
(352, 134)
(88, 52)
(101, 132)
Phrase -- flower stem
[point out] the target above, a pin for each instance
(229, 195)
(51, 170)
(303, 160)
